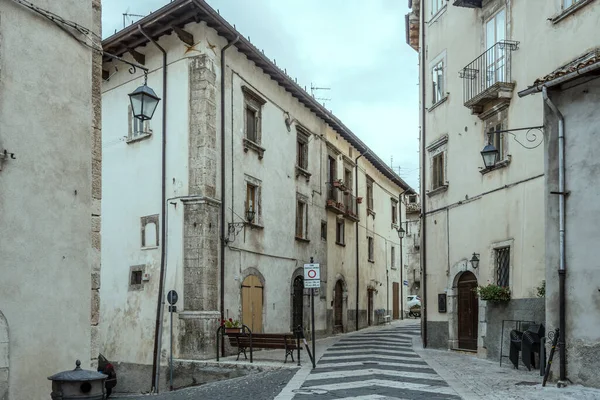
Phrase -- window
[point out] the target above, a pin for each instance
(412, 199)
(251, 124)
(436, 6)
(252, 108)
(393, 257)
(149, 226)
(253, 199)
(301, 219)
(136, 277)
(437, 79)
(370, 244)
(493, 126)
(394, 212)
(502, 266)
(137, 129)
(438, 179)
(495, 31)
(339, 231)
(324, 230)
(348, 178)
(302, 138)
(369, 193)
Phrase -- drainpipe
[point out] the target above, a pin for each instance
(561, 233)
(356, 230)
(401, 262)
(163, 232)
(423, 179)
(228, 45)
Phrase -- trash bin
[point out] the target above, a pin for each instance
(78, 384)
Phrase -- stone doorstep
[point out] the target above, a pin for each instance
(229, 362)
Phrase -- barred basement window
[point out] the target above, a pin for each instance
(502, 266)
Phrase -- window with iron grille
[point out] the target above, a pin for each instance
(502, 266)
(370, 242)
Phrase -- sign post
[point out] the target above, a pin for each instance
(312, 280)
(172, 299)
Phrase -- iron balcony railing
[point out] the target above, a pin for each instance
(335, 200)
(350, 206)
(488, 71)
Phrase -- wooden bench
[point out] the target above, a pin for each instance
(243, 341)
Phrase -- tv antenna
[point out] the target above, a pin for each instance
(127, 14)
(312, 93)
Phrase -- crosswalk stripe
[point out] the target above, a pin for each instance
(374, 350)
(385, 383)
(332, 357)
(374, 371)
(361, 364)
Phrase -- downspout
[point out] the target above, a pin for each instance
(401, 262)
(561, 233)
(163, 232)
(423, 178)
(356, 230)
(228, 45)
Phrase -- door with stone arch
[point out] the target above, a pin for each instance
(4, 359)
(338, 307)
(298, 302)
(468, 311)
(252, 303)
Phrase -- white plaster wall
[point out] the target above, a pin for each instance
(131, 190)
(45, 194)
(510, 214)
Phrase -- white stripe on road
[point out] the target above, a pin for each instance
(369, 348)
(331, 356)
(373, 371)
(361, 363)
(386, 384)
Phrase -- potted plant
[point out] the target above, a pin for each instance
(331, 202)
(340, 205)
(493, 293)
(231, 326)
(337, 183)
(359, 200)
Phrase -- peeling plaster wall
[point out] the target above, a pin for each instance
(579, 105)
(49, 196)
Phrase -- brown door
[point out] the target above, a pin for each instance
(252, 303)
(298, 303)
(370, 306)
(338, 306)
(395, 300)
(468, 311)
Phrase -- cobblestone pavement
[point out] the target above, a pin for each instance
(258, 386)
(377, 364)
(475, 378)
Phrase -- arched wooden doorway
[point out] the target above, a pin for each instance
(338, 307)
(370, 306)
(298, 302)
(252, 303)
(468, 311)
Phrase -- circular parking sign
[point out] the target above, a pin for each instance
(312, 274)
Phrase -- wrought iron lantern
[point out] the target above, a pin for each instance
(401, 232)
(250, 214)
(143, 101)
(474, 260)
(490, 155)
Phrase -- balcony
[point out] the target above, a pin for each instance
(487, 80)
(468, 3)
(335, 200)
(350, 207)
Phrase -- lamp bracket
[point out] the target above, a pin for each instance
(6, 155)
(531, 136)
(133, 66)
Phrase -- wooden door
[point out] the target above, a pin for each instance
(396, 300)
(338, 301)
(468, 311)
(370, 306)
(298, 302)
(252, 303)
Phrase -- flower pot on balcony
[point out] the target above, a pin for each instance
(359, 200)
(331, 203)
(337, 184)
(229, 331)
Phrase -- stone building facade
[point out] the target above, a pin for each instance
(282, 156)
(412, 243)
(475, 56)
(50, 192)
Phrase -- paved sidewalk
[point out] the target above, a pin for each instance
(474, 378)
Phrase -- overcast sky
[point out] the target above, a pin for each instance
(355, 47)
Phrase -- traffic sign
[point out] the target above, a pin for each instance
(311, 284)
(312, 271)
(172, 297)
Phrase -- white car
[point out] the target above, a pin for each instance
(413, 300)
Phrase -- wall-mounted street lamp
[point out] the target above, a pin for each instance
(143, 101)
(490, 153)
(235, 227)
(474, 260)
(401, 232)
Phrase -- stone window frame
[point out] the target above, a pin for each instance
(303, 136)
(144, 221)
(302, 201)
(133, 134)
(438, 146)
(569, 10)
(491, 123)
(135, 269)
(258, 216)
(254, 102)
